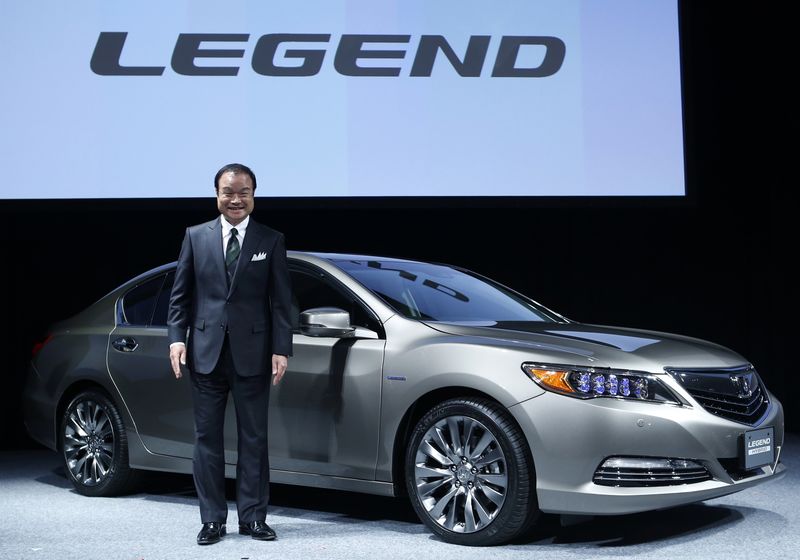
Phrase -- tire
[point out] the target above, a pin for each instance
(480, 490)
(94, 446)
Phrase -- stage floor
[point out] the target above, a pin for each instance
(41, 517)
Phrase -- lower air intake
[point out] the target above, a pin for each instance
(649, 471)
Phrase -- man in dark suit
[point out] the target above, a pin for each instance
(232, 294)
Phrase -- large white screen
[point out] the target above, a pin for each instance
(606, 122)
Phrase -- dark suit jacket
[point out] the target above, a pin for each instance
(254, 311)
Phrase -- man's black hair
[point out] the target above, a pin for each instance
(234, 168)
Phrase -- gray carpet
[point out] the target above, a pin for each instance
(43, 518)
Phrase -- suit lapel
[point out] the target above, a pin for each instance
(252, 238)
(214, 239)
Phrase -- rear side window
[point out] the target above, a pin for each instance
(162, 304)
(138, 303)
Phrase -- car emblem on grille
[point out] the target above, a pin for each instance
(743, 384)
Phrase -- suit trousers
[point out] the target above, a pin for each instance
(250, 399)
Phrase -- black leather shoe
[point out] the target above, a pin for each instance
(211, 533)
(259, 530)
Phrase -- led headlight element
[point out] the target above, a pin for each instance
(587, 383)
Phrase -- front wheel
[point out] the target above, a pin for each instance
(94, 446)
(469, 473)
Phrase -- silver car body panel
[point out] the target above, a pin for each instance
(338, 418)
(567, 448)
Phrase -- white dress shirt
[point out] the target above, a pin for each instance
(226, 232)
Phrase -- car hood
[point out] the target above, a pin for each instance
(599, 345)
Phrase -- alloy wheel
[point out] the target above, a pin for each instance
(461, 474)
(88, 442)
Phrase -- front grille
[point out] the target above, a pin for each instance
(643, 472)
(733, 393)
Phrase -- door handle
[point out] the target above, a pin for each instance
(125, 344)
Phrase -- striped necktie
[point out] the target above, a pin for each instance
(232, 254)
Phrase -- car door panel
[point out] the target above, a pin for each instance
(324, 414)
(160, 405)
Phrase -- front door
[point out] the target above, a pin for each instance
(324, 416)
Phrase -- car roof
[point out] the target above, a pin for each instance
(348, 256)
(308, 256)
(296, 254)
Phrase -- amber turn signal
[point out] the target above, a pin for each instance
(555, 379)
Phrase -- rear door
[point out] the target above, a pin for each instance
(138, 362)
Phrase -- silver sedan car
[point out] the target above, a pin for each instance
(426, 380)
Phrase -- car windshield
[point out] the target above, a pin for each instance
(433, 292)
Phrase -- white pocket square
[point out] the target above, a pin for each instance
(259, 257)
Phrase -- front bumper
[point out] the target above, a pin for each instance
(570, 438)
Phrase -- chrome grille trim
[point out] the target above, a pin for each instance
(723, 393)
(650, 476)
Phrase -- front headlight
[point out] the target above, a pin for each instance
(592, 382)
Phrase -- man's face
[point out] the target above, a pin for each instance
(235, 196)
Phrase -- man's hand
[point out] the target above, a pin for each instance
(279, 364)
(177, 357)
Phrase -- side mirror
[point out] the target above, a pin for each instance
(326, 321)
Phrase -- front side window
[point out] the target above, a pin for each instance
(313, 290)
(432, 292)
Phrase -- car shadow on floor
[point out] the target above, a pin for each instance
(680, 523)
(177, 488)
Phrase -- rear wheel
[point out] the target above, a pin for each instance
(469, 473)
(94, 446)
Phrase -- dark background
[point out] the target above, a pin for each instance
(711, 265)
